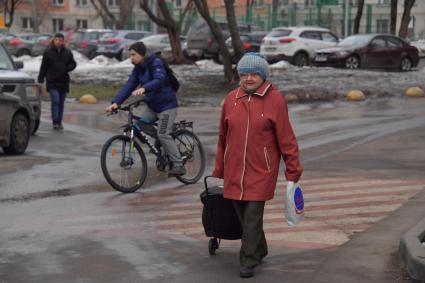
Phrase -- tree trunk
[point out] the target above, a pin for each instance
(168, 22)
(126, 10)
(393, 23)
(233, 29)
(9, 11)
(405, 20)
(358, 18)
(204, 11)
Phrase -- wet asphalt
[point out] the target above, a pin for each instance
(61, 222)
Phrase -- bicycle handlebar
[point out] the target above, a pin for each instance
(128, 106)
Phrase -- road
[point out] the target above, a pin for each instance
(60, 222)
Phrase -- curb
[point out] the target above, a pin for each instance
(412, 251)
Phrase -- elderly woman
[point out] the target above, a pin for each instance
(255, 132)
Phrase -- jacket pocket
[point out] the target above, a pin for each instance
(267, 159)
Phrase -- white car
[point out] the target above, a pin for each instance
(296, 44)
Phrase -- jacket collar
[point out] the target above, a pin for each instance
(261, 91)
(146, 62)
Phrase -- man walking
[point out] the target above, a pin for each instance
(56, 64)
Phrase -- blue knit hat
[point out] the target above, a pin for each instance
(253, 63)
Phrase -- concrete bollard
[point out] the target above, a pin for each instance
(415, 92)
(88, 99)
(355, 95)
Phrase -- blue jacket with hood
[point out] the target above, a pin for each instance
(151, 75)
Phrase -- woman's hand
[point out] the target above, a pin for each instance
(138, 92)
(111, 107)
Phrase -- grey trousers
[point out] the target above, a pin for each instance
(254, 244)
(165, 127)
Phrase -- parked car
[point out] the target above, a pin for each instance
(201, 42)
(112, 44)
(251, 42)
(420, 44)
(156, 43)
(296, 45)
(20, 105)
(16, 45)
(370, 51)
(86, 41)
(40, 44)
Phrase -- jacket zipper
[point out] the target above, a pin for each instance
(244, 154)
(267, 158)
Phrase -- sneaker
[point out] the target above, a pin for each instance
(246, 272)
(177, 170)
(60, 127)
(56, 127)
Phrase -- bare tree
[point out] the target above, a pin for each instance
(166, 21)
(233, 28)
(125, 11)
(405, 19)
(9, 7)
(393, 23)
(39, 10)
(204, 11)
(358, 18)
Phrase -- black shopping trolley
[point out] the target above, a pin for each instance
(218, 217)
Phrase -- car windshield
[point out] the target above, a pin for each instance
(5, 62)
(355, 40)
(109, 35)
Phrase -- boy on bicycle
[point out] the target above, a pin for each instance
(149, 78)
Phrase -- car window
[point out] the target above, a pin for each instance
(378, 43)
(165, 40)
(394, 42)
(311, 35)
(134, 35)
(5, 62)
(329, 37)
(279, 33)
(109, 35)
(77, 36)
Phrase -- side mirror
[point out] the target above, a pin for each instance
(19, 64)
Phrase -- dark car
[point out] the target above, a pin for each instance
(86, 41)
(16, 45)
(251, 42)
(369, 51)
(112, 44)
(20, 105)
(201, 42)
(40, 44)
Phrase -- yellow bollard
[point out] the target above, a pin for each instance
(355, 95)
(88, 99)
(415, 92)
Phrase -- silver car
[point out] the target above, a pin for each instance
(20, 105)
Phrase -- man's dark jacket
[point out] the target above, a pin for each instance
(55, 66)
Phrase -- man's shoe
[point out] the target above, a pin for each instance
(56, 127)
(60, 127)
(246, 272)
(177, 170)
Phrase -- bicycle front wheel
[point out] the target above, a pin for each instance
(123, 164)
(192, 154)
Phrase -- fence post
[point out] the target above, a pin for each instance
(294, 14)
(369, 19)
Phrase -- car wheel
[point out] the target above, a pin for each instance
(352, 62)
(406, 64)
(36, 126)
(300, 59)
(23, 52)
(19, 135)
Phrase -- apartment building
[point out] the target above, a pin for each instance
(54, 15)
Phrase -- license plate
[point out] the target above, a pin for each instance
(321, 58)
(268, 49)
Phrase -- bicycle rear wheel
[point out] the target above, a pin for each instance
(193, 156)
(123, 164)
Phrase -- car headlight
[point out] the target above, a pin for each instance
(32, 91)
(342, 53)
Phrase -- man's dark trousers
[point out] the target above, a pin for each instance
(254, 245)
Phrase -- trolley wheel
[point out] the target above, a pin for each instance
(212, 246)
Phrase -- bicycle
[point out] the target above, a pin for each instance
(123, 160)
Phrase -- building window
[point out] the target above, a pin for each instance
(384, 2)
(258, 3)
(27, 24)
(57, 25)
(178, 3)
(113, 3)
(382, 26)
(57, 2)
(82, 23)
(82, 3)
